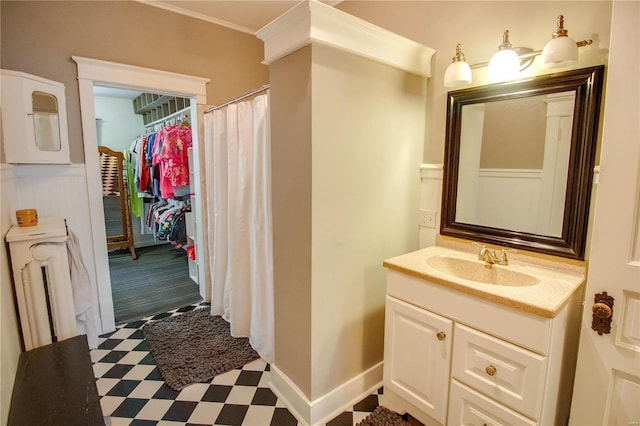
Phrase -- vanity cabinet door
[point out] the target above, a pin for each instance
(417, 356)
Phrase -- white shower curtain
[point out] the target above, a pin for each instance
(238, 173)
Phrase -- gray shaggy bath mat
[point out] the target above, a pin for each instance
(195, 347)
(382, 416)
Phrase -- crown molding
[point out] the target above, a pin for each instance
(314, 22)
(196, 15)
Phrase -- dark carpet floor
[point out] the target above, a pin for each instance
(157, 282)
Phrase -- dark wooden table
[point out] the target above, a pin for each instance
(55, 385)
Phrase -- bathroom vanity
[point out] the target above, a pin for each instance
(470, 344)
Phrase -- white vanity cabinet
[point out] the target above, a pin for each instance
(456, 359)
(34, 120)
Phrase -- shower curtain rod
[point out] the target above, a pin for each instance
(239, 98)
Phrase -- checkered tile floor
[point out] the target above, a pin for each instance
(133, 393)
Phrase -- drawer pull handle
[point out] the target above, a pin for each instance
(441, 336)
(491, 370)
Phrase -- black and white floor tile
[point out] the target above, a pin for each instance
(133, 393)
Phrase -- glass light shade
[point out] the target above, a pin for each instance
(504, 65)
(560, 51)
(457, 74)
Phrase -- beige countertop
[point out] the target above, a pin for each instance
(558, 280)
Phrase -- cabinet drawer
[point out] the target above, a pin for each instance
(504, 372)
(468, 407)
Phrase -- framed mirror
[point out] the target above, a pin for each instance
(519, 159)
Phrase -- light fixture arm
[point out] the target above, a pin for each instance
(526, 55)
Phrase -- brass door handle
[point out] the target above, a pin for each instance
(491, 370)
(602, 312)
(441, 335)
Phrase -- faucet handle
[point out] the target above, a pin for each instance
(502, 256)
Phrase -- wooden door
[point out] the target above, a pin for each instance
(607, 385)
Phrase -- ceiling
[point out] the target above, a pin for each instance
(243, 15)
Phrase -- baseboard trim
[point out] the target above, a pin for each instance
(101, 325)
(323, 409)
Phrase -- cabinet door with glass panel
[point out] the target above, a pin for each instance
(34, 119)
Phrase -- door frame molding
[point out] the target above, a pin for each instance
(104, 73)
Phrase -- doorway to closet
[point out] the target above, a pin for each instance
(151, 131)
(94, 72)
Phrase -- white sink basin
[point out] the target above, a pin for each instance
(478, 271)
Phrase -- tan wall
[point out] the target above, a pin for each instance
(514, 134)
(40, 37)
(368, 131)
(478, 25)
(290, 105)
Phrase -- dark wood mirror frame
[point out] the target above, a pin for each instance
(587, 84)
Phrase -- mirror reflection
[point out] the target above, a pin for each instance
(46, 124)
(514, 160)
(519, 159)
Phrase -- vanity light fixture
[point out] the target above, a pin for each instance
(508, 61)
(561, 50)
(458, 73)
(505, 63)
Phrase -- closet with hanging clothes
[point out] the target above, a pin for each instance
(156, 140)
(160, 169)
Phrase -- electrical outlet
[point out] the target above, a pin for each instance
(427, 218)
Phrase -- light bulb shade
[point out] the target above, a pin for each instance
(559, 51)
(504, 65)
(457, 74)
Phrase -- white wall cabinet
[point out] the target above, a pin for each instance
(454, 359)
(34, 120)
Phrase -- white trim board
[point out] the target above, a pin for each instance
(314, 22)
(323, 409)
(140, 78)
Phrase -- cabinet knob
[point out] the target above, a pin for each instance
(491, 370)
(441, 336)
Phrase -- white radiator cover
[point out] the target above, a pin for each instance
(42, 282)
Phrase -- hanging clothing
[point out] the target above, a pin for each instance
(239, 202)
(135, 202)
